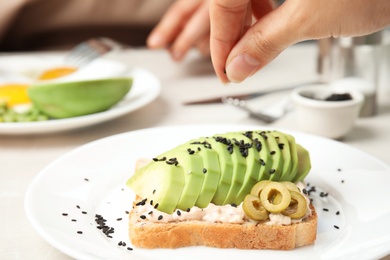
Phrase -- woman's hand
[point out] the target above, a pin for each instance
(185, 25)
(238, 51)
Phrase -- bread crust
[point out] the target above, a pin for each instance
(147, 234)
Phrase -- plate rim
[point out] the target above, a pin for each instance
(66, 124)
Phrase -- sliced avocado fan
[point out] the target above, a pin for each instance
(219, 169)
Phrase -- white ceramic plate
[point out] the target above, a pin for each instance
(93, 177)
(146, 87)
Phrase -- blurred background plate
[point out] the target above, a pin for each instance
(146, 87)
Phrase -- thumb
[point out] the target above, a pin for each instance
(262, 43)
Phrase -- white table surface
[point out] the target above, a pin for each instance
(22, 157)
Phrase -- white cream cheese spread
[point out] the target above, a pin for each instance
(212, 213)
(216, 214)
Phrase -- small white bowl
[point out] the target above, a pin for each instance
(332, 119)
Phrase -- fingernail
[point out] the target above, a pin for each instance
(155, 40)
(176, 55)
(241, 67)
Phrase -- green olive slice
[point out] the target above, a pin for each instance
(258, 187)
(269, 193)
(253, 208)
(297, 207)
(290, 185)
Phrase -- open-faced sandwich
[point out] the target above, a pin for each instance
(232, 190)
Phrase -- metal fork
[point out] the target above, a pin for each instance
(89, 50)
(242, 104)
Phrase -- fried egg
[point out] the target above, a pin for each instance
(15, 93)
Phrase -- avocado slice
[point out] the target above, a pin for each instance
(261, 145)
(294, 156)
(211, 170)
(304, 164)
(276, 155)
(239, 164)
(71, 99)
(192, 165)
(253, 164)
(226, 168)
(284, 147)
(159, 182)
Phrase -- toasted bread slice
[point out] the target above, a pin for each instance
(249, 235)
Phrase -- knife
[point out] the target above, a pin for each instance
(248, 96)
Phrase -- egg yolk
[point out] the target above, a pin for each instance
(56, 72)
(14, 94)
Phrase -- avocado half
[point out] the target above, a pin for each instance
(78, 98)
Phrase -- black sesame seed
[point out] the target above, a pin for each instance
(127, 212)
(272, 171)
(120, 243)
(233, 205)
(142, 202)
(77, 206)
(281, 146)
(178, 212)
(160, 217)
(155, 206)
(109, 236)
(142, 217)
(262, 162)
(323, 194)
(188, 209)
(154, 191)
(336, 227)
(338, 213)
(150, 212)
(129, 248)
(204, 170)
(258, 144)
(109, 231)
(64, 214)
(84, 212)
(272, 152)
(342, 181)
(123, 243)
(151, 202)
(86, 179)
(325, 209)
(79, 232)
(230, 148)
(119, 219)
(155, 159)
(74, 220)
